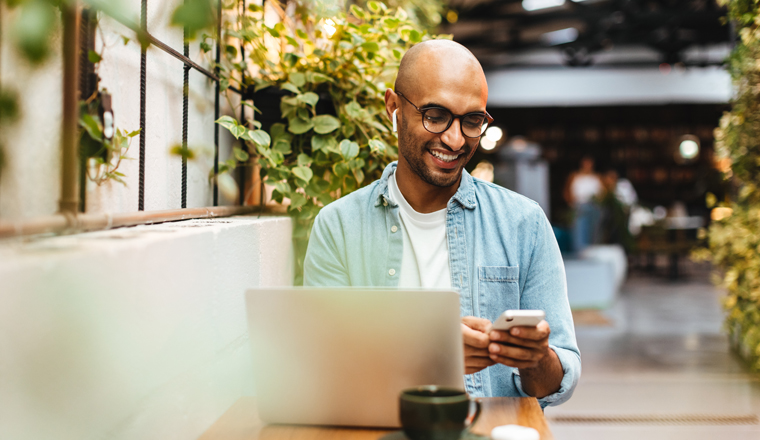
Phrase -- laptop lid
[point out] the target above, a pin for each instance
(341, 356)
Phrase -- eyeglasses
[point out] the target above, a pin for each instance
(439, 119)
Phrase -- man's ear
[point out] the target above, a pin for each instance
(391, 103)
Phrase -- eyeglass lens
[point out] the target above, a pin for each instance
(437, 120)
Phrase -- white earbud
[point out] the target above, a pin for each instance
(395, 124)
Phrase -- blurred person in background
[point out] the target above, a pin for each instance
(581, 189)
(617, 198)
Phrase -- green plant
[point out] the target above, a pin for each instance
(344, 63)
(734, 241)
(101, 145)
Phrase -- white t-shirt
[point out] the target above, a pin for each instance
(425, 262)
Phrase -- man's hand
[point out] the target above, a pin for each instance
(476, 342)
(520, 347)
(527, 348)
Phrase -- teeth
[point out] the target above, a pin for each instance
(443, 157)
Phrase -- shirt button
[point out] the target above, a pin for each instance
(392, 272)
(394, 228)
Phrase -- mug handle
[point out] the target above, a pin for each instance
(478, 408)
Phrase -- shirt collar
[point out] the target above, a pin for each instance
(465, 195)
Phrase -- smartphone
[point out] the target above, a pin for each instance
(518, 318)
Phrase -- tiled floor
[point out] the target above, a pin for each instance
(665, 354)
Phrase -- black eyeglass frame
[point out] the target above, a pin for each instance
(422, 111)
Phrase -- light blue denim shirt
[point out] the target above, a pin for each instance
(502, 252)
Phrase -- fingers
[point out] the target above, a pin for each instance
(520, 347)
(518, 357)
(524, 336)
(473, 337)
(479, 324)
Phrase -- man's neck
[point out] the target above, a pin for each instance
(422, 196)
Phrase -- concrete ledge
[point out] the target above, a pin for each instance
(132, 333)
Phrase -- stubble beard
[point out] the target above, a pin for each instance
(415, 157)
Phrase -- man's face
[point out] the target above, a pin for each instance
(438, 159)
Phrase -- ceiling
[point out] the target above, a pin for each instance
(614, 33)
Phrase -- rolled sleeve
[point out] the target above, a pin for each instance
(571, 366)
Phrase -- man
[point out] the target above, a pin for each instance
(428, 223)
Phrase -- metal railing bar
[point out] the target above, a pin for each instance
(185, 104)
(217, 99)
(168, 49)
(143, 85)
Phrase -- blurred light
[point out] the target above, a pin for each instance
(659, 213)
(689, 149)
(452, 16)
(494, 133)
(534, 5)
(329, 28)
(561, 36)
(519, 143)
(665, 68)
(487, 144)
(484, 171)
(720, 213)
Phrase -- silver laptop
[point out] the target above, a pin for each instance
(341, 356)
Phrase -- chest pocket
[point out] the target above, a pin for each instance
(498, 290)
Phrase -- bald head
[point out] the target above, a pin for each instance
(441, 56)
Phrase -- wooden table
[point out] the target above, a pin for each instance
(241, 422)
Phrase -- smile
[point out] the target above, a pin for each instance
(444, 157)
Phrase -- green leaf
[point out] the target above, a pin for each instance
(298, 79)
(273, 32)
(297, 200)
(94, 57)
(301, 34)
(340, 169)
(349, 149)
(357, 12)
(354, 110)
(300, 126)
(374, 7)
(317, 78)
(227, 122)
(92, 126)
(324, 124)
(323, 142)
(377, 146)
(132, 134)
(278, 130)
(304, 160)
(258, 137)
(240, 154)
(283, 187)
(194, 15)
(310, 98)
(371, 46)
(290, 87)
(415, 36)
(292, 41)
(282, 145)
(179, 150)
(303, 173)
(303, 114)
(238, 131)
(359, 175)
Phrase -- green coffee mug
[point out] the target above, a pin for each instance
(436, 413)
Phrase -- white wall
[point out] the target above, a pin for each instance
(134, 333)
(30, 183)
(610, 86)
